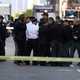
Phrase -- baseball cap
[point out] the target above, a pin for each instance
(34, 20)
(1, 17)
(46, 14)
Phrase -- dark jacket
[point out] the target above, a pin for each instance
(49, 29)
(19, 31)
(43, 35)
(42, 21)
(3, 31)
(57, 32)
(76, 33)
(68, 33)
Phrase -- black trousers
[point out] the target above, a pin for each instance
(75, 46)
(2, 48)
(57, 47)
(21, 49)
(44, 50)
(2, 51)
(32, 44)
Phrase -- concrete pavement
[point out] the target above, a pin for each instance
(10, 71)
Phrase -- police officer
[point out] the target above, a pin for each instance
(3, 33)
(32, 35)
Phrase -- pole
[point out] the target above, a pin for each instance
(60, 8)
(47, 2)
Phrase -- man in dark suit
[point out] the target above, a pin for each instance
(20, 36)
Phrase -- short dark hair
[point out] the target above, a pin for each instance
(66, 21)
(51, 18)
(21, 16)
(57, 18)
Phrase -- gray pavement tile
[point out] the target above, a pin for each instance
(10, 71)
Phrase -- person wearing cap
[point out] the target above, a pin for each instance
(1, 17)
(44, 17)
(32, 36)
(2, 36)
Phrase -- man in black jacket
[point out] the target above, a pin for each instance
(50, 24)
(57, 37)
(20, 36)
(43, 41)
(76, 39)
(67, 40)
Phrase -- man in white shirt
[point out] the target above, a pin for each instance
(32, 38)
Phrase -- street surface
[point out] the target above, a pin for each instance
(10, 71)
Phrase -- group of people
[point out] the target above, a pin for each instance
(47, 38)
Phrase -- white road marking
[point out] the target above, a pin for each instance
(71, 65)
(77, 79)
(66, 70)
(78, 70)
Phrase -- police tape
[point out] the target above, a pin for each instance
(52, 59)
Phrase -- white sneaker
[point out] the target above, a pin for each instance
(71, 65)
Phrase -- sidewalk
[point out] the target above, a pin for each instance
(10, 71)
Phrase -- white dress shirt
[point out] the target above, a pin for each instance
(32, 31)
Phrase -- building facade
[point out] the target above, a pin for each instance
(73, 3)
(18, 6)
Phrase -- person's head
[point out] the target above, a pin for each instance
(57, 18)
(71, 22)
(50, 20)
(34, 21)
(1, 18)
(66, 23)
(28, 19)
(45, 22)
(22, 17)
(75, 22)
(12, 19)
(45, 15)
(79, 22)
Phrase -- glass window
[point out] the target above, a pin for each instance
(71, 12)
